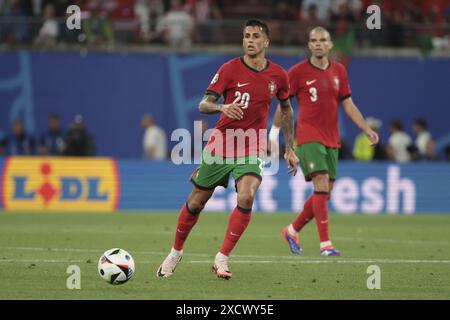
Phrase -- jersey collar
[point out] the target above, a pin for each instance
(328, 67)
(253, 69)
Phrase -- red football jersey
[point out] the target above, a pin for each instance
(318, 93)
(255, 90)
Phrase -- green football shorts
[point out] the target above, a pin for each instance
(316, 158)
(215, 171)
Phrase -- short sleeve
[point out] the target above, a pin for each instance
(344, 85)
(283, 91)
(293, 81)
(220, 81)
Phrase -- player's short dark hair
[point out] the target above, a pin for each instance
(53, 116)
(258, 23)
(421, 123)
(447, 149)
(318, 29)
(17, 120)
(397, 124)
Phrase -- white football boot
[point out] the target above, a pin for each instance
(167, 268)
(220, 267)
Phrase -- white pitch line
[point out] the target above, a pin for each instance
(39, 261)
(50, 249)
(395, 241)
(82, 250)
(333, 260)
(297, 261)
(382, 240)
(265, 258)
(100, 251)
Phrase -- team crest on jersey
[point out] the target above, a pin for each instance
(215, 79)
(272, 88)
(336, 82)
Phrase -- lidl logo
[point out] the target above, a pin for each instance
(56, 184)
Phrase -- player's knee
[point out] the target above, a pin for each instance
(246, 198)
(195, 206)
(321, 182)
(197, 200)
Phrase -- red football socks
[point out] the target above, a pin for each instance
(237, 224)
(186, 221)
(320, 208)
(305, 216)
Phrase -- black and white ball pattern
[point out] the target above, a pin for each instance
(116, 266)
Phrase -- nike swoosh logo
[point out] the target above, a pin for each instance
(234, 234)
(242, 84)
(324, 221)
(308, 83)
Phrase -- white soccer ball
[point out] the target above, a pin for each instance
(116, 266)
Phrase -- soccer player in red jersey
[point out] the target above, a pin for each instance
(319, 85)
(248, 84)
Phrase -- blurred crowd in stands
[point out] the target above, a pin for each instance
(422, 23)
(55, 141)
(77, 141)
(400, 147)
(154, 142)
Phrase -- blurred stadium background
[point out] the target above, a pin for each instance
(132, 58)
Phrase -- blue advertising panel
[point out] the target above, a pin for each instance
(370, 188)
(113, 90)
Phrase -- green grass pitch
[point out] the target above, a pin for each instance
(413, 253)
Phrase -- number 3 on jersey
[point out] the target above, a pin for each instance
(242, 98)
(313, 92)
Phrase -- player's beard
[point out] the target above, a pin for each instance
(321, 55)
(255, 53)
